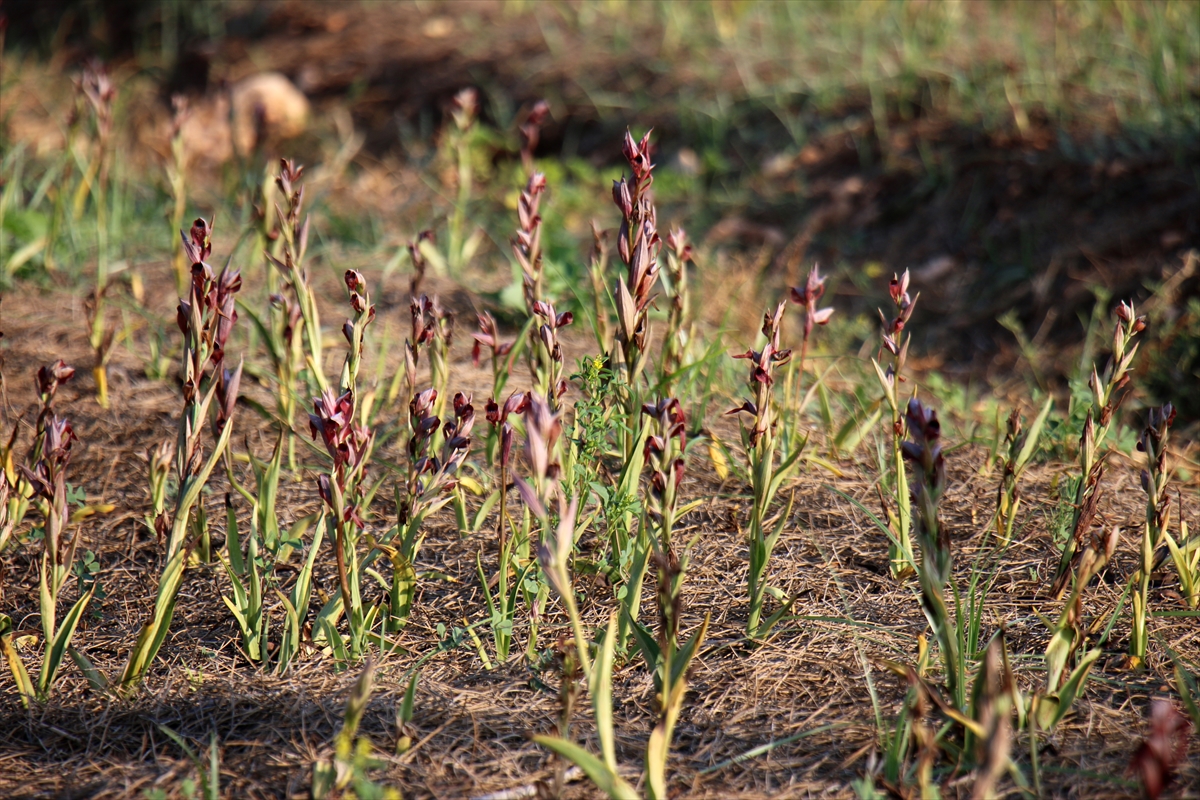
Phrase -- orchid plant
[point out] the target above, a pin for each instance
(895, 340)
(767, 473)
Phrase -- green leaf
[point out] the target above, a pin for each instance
(606, 779)
(410, 694)
(57, 649)
(785, 468)
(1033, 436)
(15, 665)
(684, 657)
(183, 745)
(646, 643)
(1187, 693)
(885, 386)
(854, 429)
(1054, 707)
(779, 526)
(97, 679)
(484, 509)
(601, 691)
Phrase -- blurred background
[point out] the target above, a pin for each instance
(1030, 162)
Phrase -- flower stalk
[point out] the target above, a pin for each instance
(924, 450)
(100, 92)
(1106, 400)
(895, 340)
(767, 473)
(48, 481)
(1020, 446)
(206, 319)
(807, 298)
(679, 334)
(1155, 477)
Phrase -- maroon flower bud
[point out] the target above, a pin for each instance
(201, 240)
(183, 316)
(325, 490)
(516, 403)
(50, 377)
(622, 199)
(424, 401)
(747, 407)
(629, 148)
(898, 288)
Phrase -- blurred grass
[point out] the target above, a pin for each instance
(731, 84)
(1081, 63)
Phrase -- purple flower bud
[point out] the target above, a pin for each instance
(622, 198)
(324, 490)
(629, 148)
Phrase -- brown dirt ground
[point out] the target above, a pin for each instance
(473, 725)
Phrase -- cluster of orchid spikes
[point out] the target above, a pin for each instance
(498, 417)
(429, 485)
(527, 244)
(499, 351)
(665, 462)
(664, 458)
(46, 480)
(638, 246)
(548, 359)
(206, 319)
(432, 327)
(1155, 477)
(1066, 670)
(766, 474)
(456, 441)
(297, 314)
(334, 420)
(337, 420)
(513, 551)
(16, 492)
(1107, 395)
(545, 351)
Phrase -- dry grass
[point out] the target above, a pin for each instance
(473, 725)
